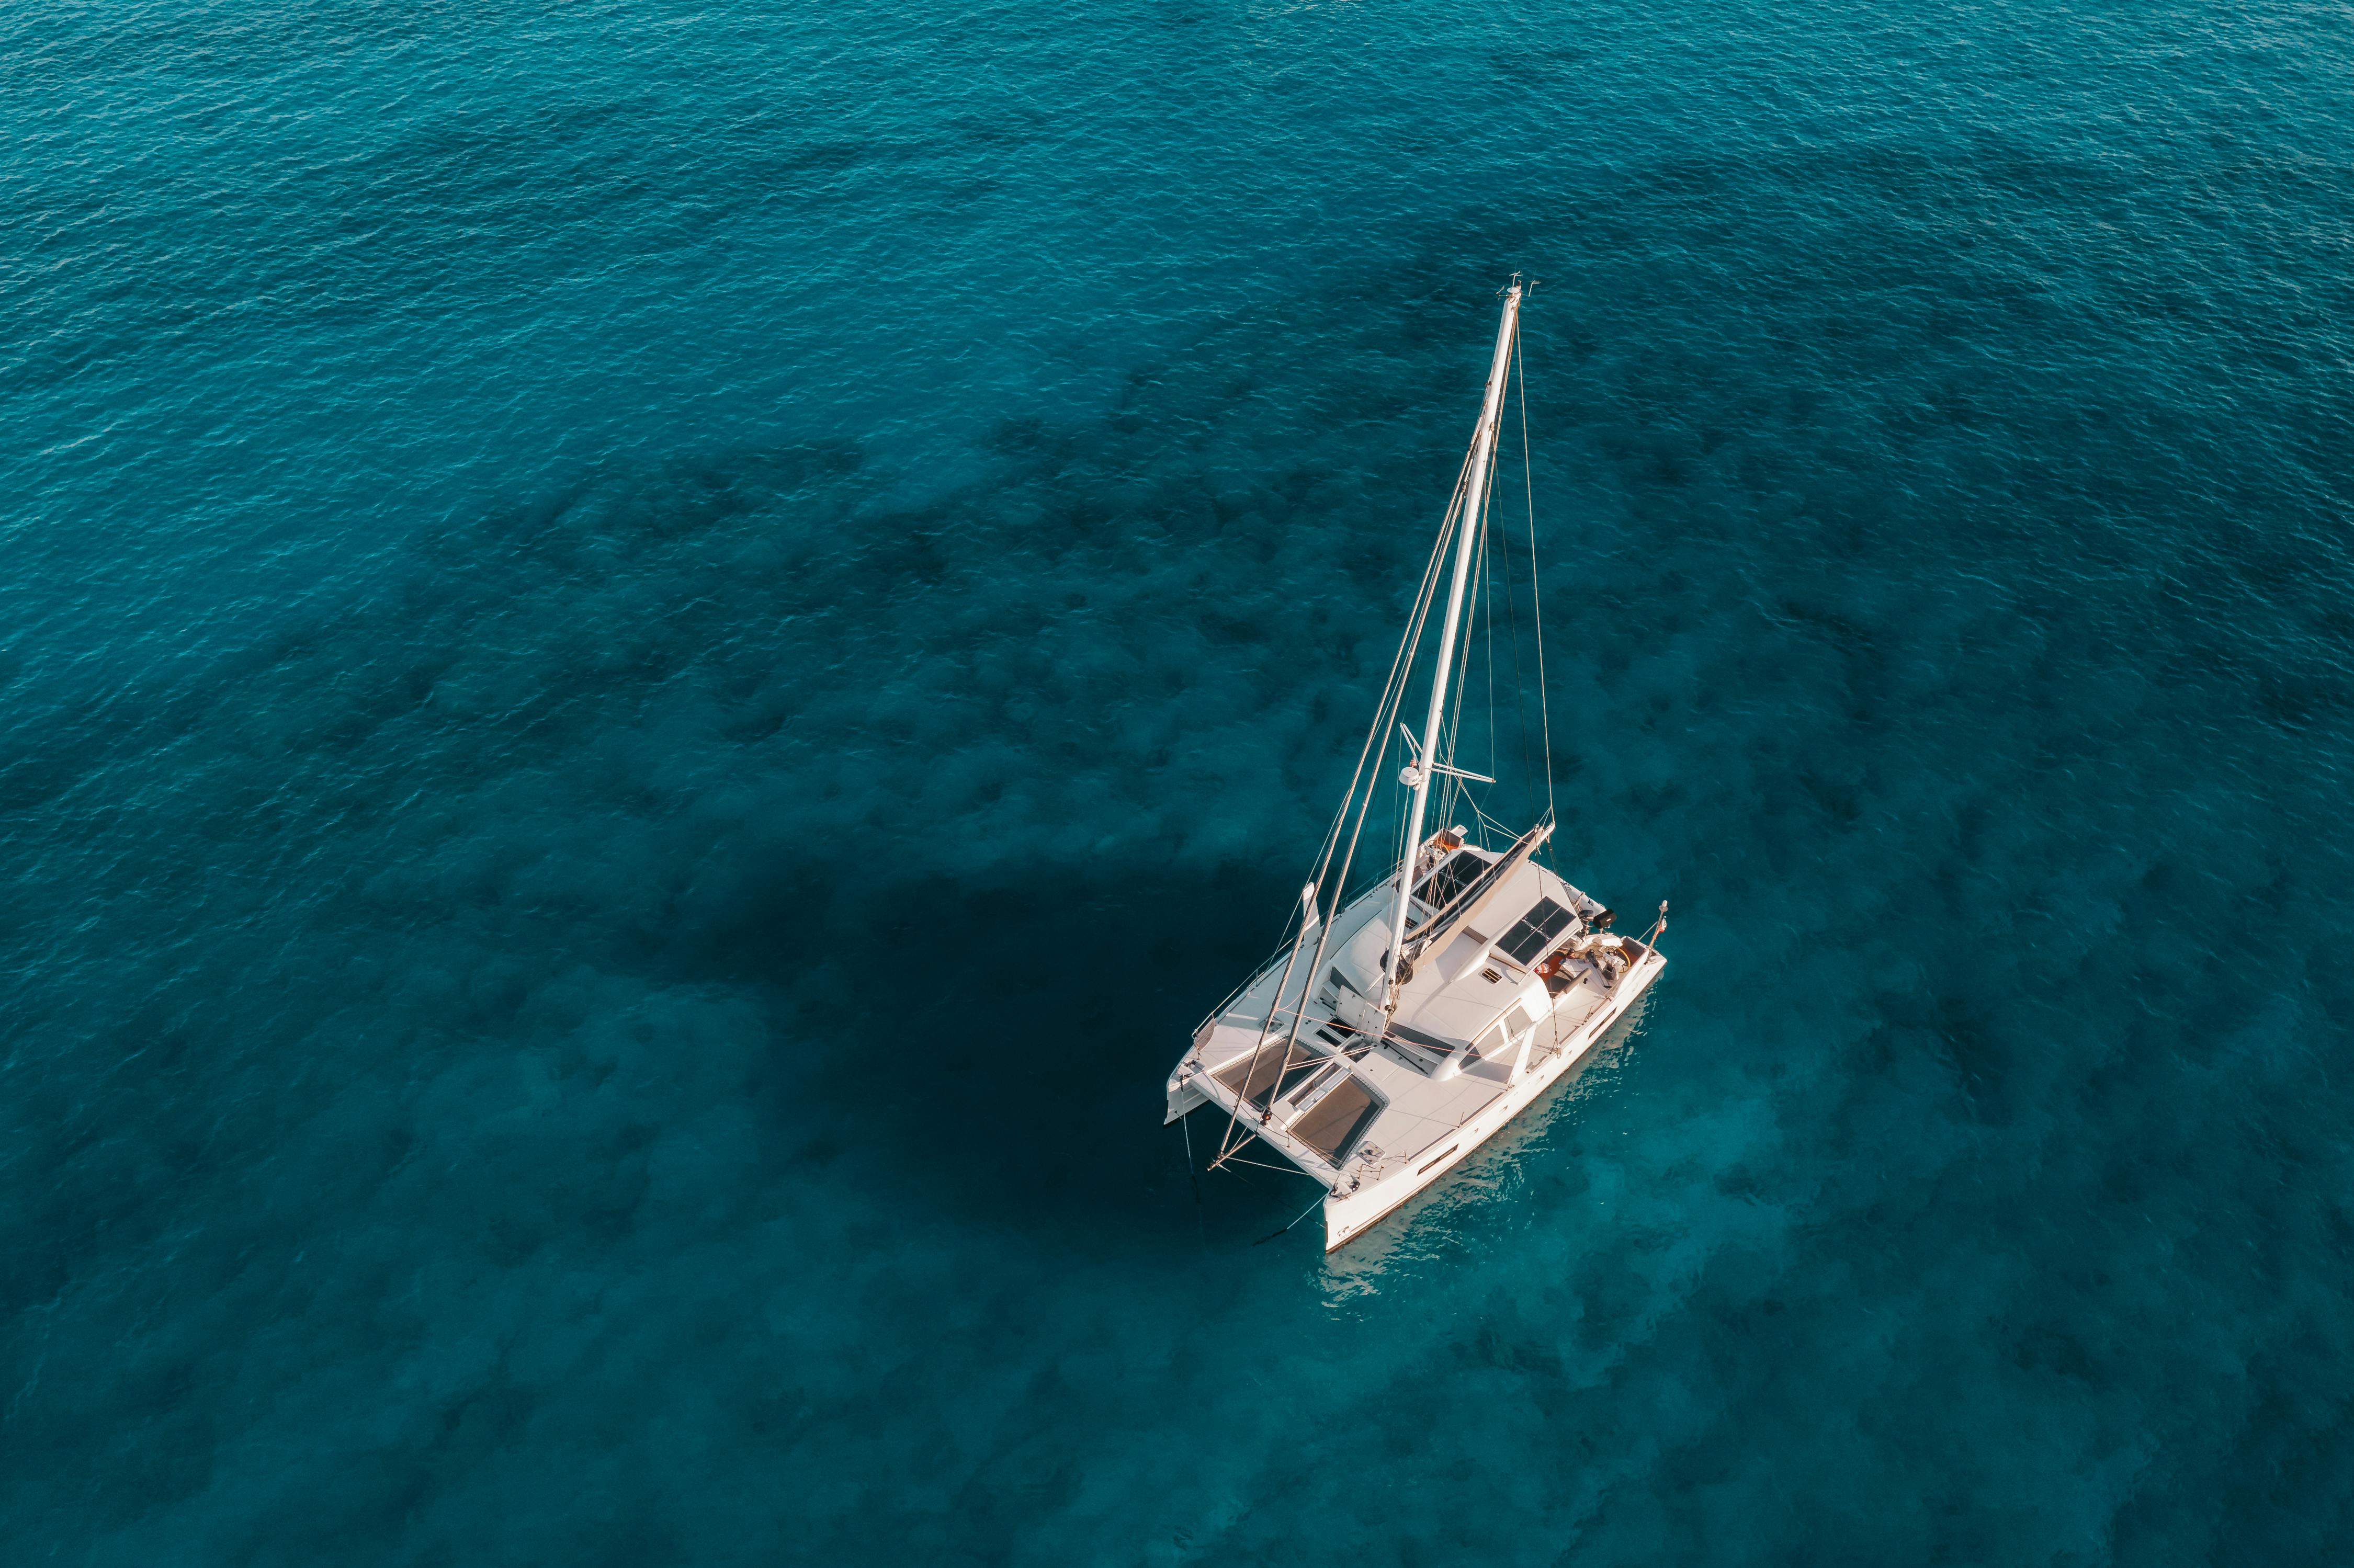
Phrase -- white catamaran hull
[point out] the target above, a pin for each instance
(1349, 1215)
(1405, 1024)
(1423, 1102)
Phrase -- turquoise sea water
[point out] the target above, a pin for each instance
(656, 654)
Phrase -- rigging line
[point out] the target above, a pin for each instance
(1463, 681)
(1392, 692)
(1457, 790)
(1461, 790)
(1191, 1175)
(1386, 715)
(1452, 793)
(1301, 1215)
(1401, 672)
(1487, 588)
(1263, 1165)
(1393, 696)
(1520, 707)
(1409, 853)
(1275, 1008)
(1220, 1159)
(1449, 787)
(1400, 666)
(1392, 689)
(1536, 604)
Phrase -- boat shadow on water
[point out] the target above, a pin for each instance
(997, 1077)
(987, 1048)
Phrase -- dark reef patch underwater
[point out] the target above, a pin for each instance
(609, 608)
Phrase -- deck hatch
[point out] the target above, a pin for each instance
(1459, 871)
(1538, 927)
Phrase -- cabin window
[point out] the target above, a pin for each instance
(1504, 1035)
(1427, 1041)
(1441, 886)
(1490, 1046)
(1541, 925)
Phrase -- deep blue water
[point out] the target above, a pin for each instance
(656, 654)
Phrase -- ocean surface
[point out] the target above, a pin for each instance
(655, 655)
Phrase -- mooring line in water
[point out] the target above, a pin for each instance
(1186, 1121)
(1303, 1215)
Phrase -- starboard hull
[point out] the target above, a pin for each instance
(1350, 1214)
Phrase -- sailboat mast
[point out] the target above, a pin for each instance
(1418, 772)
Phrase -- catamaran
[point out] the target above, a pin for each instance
(1402, 1025)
